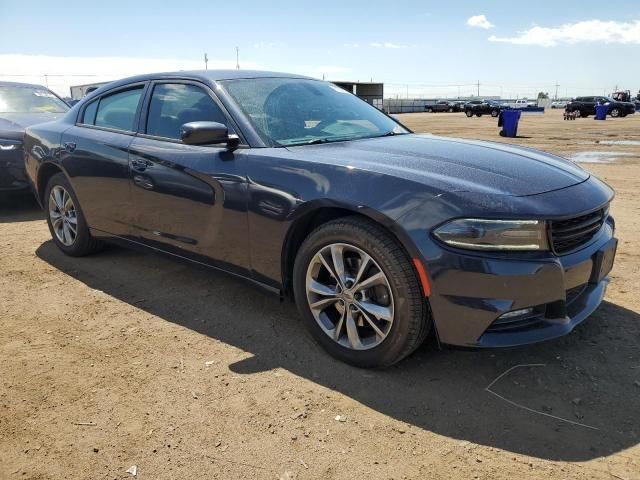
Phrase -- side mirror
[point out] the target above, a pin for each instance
(207, 133)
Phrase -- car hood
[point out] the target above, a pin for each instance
(12, 125)
(450, 164)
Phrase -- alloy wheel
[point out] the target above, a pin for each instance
(349, 296)
(63, 215)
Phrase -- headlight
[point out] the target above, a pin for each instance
(485, 234)
(9, 144)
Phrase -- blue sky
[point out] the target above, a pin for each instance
(524, 47)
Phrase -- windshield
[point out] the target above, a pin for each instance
(291, 111)
(14, 99)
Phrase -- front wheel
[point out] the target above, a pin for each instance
(429, 110)
(615, 112)
(478, 114)
(494, 113)
(66, 221)
(469, 113)
(358, 293)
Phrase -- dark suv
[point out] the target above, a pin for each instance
(442, 106)
(481, 107)
(585, 106)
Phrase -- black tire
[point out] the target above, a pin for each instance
(429, 110)
(579, 113)
(450, 110)
(478, 115)
(469, 113)
(84, 243)
(615, 112)
(411, 322)
(494, 113)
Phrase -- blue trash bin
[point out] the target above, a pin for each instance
(601, 112)
(509, 122)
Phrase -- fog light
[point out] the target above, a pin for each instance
(517, 313)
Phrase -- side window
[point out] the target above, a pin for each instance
(118, 110)
(89, 115)
(174, 104)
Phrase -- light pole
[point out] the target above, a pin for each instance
(237, 58)
(206, 61)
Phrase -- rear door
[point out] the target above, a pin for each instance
(186, 199)
(95, 155)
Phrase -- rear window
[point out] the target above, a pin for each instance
(117, 110)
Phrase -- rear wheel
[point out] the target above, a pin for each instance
(358, 293)
(494, 113)
(615, 112)
(579, 113)
(450, 110)
(65, 219)
(429, 110)
(478, 114)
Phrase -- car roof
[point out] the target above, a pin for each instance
(207, 75)
(20, 84)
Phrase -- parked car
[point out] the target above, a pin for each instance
(441, 106)
(458, 105)
(22, 105)
(482, 107)
(585, 106)
(524, 103)
(558, 104)
(378, 234)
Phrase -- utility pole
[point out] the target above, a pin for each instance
(237, 58)
(557, 90)
(46, 80)
(206, 61)
(478, 88)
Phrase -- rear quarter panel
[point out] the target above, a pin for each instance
(42, 146)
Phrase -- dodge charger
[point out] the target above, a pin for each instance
(381, 236)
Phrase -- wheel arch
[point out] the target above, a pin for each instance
(313, 214)
(45, 172)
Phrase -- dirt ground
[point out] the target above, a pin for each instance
(126, 359)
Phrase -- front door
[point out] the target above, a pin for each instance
(185, 199)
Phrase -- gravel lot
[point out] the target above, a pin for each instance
(126, 359)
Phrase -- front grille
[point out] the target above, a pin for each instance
(567, 235)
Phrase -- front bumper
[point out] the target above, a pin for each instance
(471, 291)
(13, 176)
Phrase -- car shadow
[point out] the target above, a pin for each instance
(571, 399)
(19, 207)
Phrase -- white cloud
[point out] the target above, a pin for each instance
(386, 45)
(479, 21)
(62, 72)
(589, 31)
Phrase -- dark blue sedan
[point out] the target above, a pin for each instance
(379, 234)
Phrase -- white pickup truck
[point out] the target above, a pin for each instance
(523, 103)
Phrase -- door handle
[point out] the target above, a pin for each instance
(139, 164)
(69, 146)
